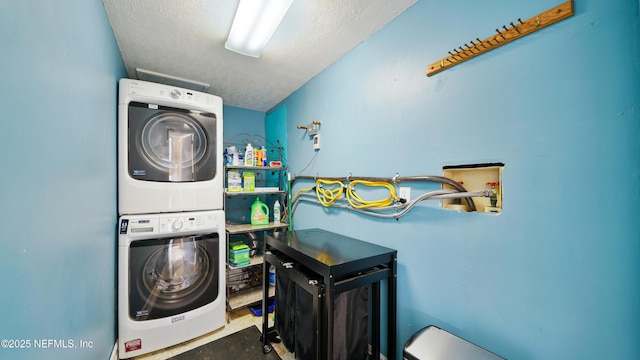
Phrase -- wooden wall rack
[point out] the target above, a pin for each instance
(506, 35)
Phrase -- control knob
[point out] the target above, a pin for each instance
(176, 94)
(177, 225)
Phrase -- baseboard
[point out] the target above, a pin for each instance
(382, 357)
(114, 352)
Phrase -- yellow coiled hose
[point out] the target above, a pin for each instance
(359, 203)
(328, 191)
(327, 195)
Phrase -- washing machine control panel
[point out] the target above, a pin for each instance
(172, 223)
(178, 223)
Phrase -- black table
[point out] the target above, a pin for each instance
(326, 264)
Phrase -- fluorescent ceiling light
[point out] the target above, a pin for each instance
(255, 22)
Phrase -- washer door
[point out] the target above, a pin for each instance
(171, 145)
(172, 276)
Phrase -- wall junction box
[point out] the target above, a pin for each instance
(476, 177)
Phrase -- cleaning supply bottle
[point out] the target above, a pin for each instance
(257, 154)
(263, 150)
(272, 275)
(276, 212)
(248, 155)
(259, 213)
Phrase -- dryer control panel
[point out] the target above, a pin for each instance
(167, 95)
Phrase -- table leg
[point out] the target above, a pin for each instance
(328, 316)
(392, 327)
(266, 346)
(375, 320)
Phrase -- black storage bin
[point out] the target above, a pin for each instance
(294, 310)
(285, 310)
(303, 325)
(350, 324)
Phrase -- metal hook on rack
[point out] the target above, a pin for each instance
(515, 28)
(469, 47)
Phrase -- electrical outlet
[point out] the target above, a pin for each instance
(405, 193)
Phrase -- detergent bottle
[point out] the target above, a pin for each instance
(276, 212)
(259, 213)
(248, 155)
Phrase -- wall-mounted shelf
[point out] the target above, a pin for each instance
(244, 228)
(503, 36)
(248, 296)
(242, 167)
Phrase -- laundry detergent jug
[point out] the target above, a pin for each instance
(259, 213)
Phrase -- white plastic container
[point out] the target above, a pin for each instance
(248, 155)
(276, 212)
(272, 275)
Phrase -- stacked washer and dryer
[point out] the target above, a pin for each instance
(171, 243)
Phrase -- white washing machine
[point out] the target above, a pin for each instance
(171, 279)
(169, 149)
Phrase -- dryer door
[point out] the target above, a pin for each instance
(172, 276)
(171, 145)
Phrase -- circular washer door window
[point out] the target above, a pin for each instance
(176, 270)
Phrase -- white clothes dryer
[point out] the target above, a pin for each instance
(170, 145)
(171, 279)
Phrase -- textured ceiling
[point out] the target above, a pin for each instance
(186, 39)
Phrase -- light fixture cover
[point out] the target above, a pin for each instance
(254, 24)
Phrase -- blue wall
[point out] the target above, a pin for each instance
(59, 180)
(58, 183)
(240, 123)
(555, 276)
